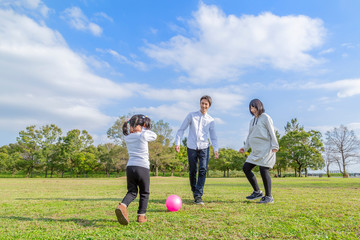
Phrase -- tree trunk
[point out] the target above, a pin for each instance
(172, 172)
(345, 174)
(157, 171)
(224, 173)
(328, 169)
(31, 172)
(228, 173)
(306, 172)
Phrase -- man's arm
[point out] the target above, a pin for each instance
(213, 139)
(180, 132)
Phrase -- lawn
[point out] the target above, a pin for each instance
(304, 208)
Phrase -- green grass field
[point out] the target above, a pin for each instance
(304, 208)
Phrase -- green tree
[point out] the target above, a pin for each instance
(302, 149)
(281, 163)
(28, 142)
(89, 163)
(74, 143)
(120, 160)
(15, 161)
(4, 156)
(109, 156)
(229, 159)
(48, 137)
(115, 133)
(159, 149)
(181, 157)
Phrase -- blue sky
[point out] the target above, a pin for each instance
(81, 64)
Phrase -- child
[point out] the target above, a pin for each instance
(263, 143)
(137, 168)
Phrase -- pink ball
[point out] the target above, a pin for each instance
(173, 203)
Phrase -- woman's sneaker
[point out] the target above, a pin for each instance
(267, 199)
(255, 195)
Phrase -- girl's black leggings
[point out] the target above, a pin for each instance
(265, 175)
(138, 180)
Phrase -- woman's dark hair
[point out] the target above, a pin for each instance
(136, 120)
(256, 103)
(208, 98)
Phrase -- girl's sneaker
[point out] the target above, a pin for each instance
(121, 214)
(255, 195)
(141, 218)
(267, 199)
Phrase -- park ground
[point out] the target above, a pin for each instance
(304, 208)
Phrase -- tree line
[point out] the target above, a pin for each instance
(47, 150)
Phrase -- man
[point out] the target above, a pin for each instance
(201, 129)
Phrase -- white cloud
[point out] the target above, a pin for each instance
(121, 58)
(43, 81)
(181, 102)
(327, 51)
(348, 45)
(221, 47)
(77, 19)
(105, 16)
(354, 126)
(344, 88)
(27, 5)
(311, 108)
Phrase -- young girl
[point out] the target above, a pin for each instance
(137, 168)
(263, 143)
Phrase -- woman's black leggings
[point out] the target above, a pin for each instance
(265, 175)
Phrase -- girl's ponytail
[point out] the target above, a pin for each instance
(125, 128)
(147, 123)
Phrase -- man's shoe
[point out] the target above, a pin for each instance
(255, 195)
(141, 218)
(199, 201)
(267, 199)
(121, 214)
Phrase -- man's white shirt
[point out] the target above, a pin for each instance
(201, 129)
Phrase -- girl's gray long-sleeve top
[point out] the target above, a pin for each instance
(261, 140)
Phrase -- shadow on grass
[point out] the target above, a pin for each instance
(71, 199)
(154, 201)
(81, 222)
(191, 201)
